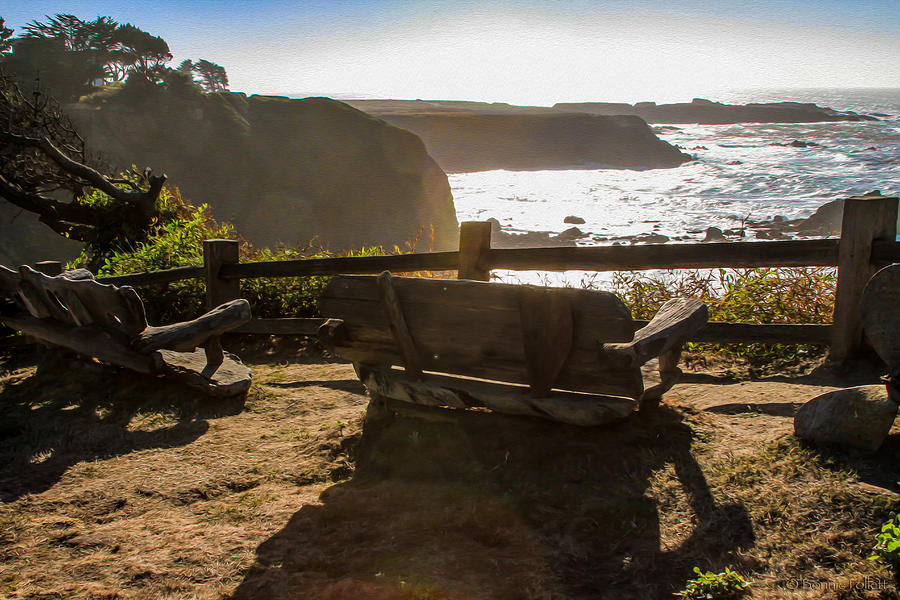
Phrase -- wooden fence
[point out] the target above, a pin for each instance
(867, 242)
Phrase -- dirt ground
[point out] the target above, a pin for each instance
(116, 486)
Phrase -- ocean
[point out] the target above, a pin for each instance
(739, 172)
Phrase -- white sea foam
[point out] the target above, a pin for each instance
(739, 171)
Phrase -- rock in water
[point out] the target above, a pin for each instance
(857, 417)
(573, 220)
(714, 234)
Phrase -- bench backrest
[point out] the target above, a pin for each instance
(488, 330)
(75, 298)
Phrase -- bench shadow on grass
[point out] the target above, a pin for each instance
(70, 411)
(490, 506)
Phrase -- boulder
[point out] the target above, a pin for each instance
(802, 144)
(651, 238)
(572, 233)
(714, 234)
(828, 218)
(857, 417)
(573, 220)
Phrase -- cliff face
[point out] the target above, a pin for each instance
(714, 113)
(281, 170)
(480, 142)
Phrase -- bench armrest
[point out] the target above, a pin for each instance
(187, 335)
(675, 321)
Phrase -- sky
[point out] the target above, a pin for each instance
(522, 52)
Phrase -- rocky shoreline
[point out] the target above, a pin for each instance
(824, 222)
(705, 112)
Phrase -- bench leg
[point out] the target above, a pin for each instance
(668, 376)
(378, 412)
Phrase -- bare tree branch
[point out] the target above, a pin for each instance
(44, 206)
(145, 201)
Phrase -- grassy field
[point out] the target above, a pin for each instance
(114, 486)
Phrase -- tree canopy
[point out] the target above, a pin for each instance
(71, 56)
(5, 34)
(212, 77)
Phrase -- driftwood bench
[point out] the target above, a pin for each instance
(565, 354)
(108, 323)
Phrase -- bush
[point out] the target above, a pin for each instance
(764, 295)
(887, 544)
(714, 586)
(175, 239)
(282, 297)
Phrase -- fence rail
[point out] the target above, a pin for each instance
(868, 241)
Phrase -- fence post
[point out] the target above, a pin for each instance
(474, 243)
(215, 254)
(51, 268)
(866, 219)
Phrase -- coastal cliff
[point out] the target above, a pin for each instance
(705, 112)
(281, 170)
(461, 142)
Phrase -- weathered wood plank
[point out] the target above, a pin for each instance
(866, 218)
(217, 253)
(717, 332)
(116, 309)
(9, 281)
(88, 341)
(397, 323)
(295, 326)
(188, 335)
(401, 263)
(675, 321)
(588, 375)
(156, 277)
(51, 268)
(454, 392)
(546, 320)
(795, 253)
(344, 293)
(880, 308)
(474, 328)
(474, 244)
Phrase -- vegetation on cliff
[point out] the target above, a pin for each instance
(72, 57)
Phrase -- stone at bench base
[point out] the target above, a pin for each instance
(231, 378)
(455, 392)
(857, 417)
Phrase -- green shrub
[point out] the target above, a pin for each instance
(282, 297)
(887, 544)
(714, 586)
(764, 295)
(174, 239)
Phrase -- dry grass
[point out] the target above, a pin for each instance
(122, 487)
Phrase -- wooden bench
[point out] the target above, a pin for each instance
(880, 308)
(565, 354)
(108, 323)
